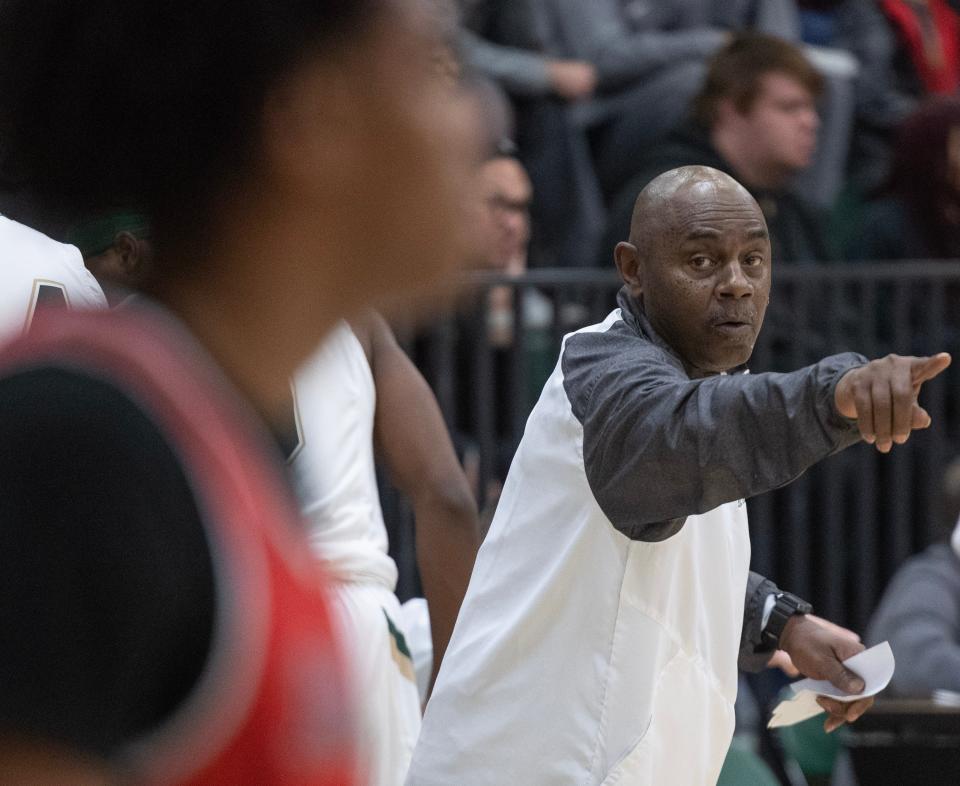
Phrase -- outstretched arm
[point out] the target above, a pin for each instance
(413, 441)
(659, 446)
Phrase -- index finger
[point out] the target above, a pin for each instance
(924, 369)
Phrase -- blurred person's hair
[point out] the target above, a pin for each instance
(735, 73)
(922, 172)
(106, 102)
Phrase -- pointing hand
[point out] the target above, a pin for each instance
(882, 396)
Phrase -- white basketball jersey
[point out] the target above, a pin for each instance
(334, 467)
(35, 270)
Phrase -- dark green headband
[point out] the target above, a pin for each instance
(95, 235)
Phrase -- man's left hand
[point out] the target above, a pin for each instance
(818, 651)
(781, 660)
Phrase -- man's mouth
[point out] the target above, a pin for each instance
(734, 327)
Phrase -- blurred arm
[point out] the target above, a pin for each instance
(520, 72)
(597, 32)
(413, 440)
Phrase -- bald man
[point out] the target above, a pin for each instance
(612, 600)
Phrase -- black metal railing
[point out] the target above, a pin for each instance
(836, 534)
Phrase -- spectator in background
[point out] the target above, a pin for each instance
(857, 28)
(519, 361)
(508, 195)
(650, 60)
(521, 71)
(756, 119)
(928, 32)
(503, 41)
(918, 213)
(920, 611)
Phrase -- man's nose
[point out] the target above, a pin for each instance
(734, 282)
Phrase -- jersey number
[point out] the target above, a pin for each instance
(46, 295)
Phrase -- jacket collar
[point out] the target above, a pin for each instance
(634, 315)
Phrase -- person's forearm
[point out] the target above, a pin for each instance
(624, 61)
(598, 33)
(447, 542)
(520, 72)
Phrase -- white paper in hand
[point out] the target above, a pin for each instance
(874, 666)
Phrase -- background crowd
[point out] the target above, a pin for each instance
(837, 114)
(842, 118)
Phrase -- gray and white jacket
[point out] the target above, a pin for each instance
(611, 602)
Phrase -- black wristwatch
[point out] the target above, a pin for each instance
(784, 608)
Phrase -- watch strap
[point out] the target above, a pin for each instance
(786, 606)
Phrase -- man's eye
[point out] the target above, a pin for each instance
(754, 260)
(701, 263)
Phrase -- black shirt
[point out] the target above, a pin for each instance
(106, 583)
(797, 230)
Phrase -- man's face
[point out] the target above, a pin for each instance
(705, 279)
(782, 123)
(507, 194)
(376, 149)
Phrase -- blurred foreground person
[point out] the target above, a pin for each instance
(357, 391)
(170, 624)
(36, 273)
(612, 601)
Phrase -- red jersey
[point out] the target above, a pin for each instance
(271, 706)
(931, 36)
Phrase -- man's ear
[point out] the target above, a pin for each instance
(128, 250)
(627, 258)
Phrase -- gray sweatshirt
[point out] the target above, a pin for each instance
(920, 616)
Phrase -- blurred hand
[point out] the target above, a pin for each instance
(882, 396)
(572, 79)
(818, 651)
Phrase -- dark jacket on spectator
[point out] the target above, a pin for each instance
(889, 230)
(797, 230)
